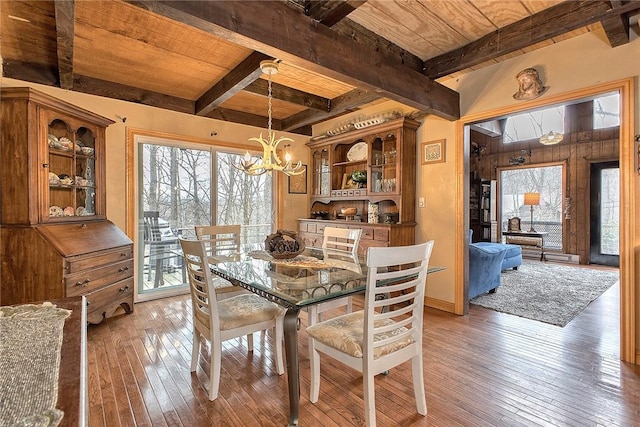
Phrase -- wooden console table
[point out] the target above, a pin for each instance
(525, 238)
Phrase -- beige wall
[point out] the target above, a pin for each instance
(159, 120)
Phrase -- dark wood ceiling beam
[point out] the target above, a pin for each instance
(244, 118)
(330, 12)
(235, 81)
(616, 27)
(65, 33)
(122, 92)
(554, 21)
(350, 101)
(294, 96)
(30, 72)
(354, 31)
(393, 53)
(261, 26)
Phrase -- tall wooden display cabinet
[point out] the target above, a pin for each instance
(55, 239)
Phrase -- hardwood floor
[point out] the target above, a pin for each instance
(484, 369)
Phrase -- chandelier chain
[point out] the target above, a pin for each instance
(269, 110)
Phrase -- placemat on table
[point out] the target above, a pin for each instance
(299, 261)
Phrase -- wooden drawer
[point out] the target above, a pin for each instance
(76, 264)
(381, 234)
(367, 233)
(362, 248)
(90, 280)
(107, 300)
(311, 239)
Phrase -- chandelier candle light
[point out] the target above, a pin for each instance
(270, 161)
(532, 199)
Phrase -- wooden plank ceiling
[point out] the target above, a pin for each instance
(335, 56)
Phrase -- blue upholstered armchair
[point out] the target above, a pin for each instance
(485, 266)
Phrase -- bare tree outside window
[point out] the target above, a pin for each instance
(547, 216)
(191, 186)
(244, 199)
(533, 124)
(610, 212)
(606, 111)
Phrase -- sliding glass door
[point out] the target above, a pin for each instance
(243, 199)
(183, 185)
(605, 214)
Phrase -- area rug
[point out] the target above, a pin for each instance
(547, 292)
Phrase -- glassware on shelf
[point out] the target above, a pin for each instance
(372, 213)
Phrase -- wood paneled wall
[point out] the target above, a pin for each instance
(582, 145)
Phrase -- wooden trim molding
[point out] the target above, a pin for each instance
(629, 203)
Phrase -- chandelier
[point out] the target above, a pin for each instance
(551, 138)
(270, 161)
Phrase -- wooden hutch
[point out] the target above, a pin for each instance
(55, 240)
(387, 154)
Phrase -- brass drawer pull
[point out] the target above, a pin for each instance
(123, 269)
(124, 288)
(83, 283)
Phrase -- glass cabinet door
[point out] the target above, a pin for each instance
(71, 171)
(321, 173)
(384, 167)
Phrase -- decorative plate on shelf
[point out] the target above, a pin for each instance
(358, 152)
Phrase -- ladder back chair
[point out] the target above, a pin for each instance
(219, 321)
(387, 332)
(337, 240)
(218, 239)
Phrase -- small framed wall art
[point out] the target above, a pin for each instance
(433, 151)
(298, 183)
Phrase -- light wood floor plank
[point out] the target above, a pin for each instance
(484, 369)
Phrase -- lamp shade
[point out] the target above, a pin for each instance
(532, 199)
(551, 138)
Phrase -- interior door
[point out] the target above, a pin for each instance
(605, 214)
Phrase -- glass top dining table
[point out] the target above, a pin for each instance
(310, 278)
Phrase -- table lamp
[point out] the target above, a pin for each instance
(532, 199)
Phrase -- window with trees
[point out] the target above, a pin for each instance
(189, 185)
(606, 111)
(547, 216)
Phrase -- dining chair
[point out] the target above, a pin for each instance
(387, 332)
(222, 320)
(338, 240)
(218, 239)
(160, 243)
